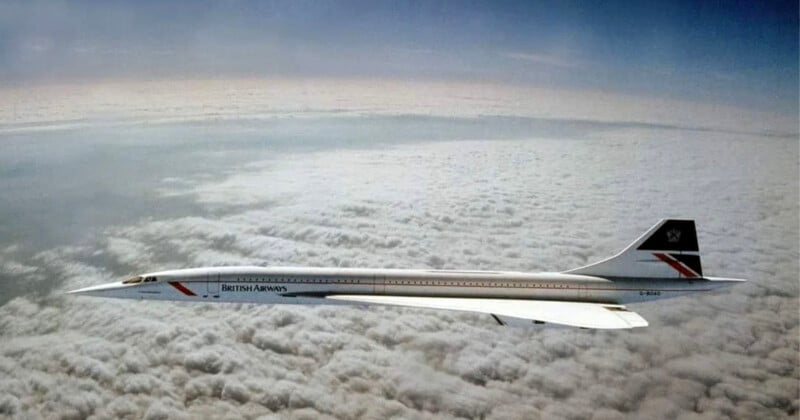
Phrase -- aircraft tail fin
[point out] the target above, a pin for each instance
(667, 250)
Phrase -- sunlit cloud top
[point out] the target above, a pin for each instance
(742, 54)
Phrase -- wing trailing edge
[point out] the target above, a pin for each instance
(517, 312)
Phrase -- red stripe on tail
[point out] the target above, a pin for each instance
(181, 288)
(676, 265)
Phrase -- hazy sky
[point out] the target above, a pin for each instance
(743, 53)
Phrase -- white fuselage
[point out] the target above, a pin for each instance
(289, 285)
(662, 263)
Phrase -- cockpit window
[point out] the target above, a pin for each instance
(133, 280)
(149, 279)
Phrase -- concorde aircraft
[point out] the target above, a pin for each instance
(662, 263)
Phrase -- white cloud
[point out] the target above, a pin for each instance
(519, 205)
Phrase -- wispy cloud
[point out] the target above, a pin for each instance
(488, 41)
(544, 59)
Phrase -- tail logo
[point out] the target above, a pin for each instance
(673, 236)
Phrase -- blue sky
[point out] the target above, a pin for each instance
(742, 53)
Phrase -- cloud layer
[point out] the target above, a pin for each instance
(530, 204)
(51, 107)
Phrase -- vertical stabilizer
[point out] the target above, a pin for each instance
(668, 250)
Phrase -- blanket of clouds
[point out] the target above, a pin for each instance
(87, 199)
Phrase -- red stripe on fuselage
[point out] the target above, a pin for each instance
(676, 265)
(181, 288)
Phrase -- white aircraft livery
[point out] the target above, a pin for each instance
(662, 263)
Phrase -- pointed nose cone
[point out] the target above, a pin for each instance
(103, 290)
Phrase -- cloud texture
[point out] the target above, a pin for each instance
(529, 204)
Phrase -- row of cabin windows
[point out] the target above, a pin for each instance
(401, 282)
